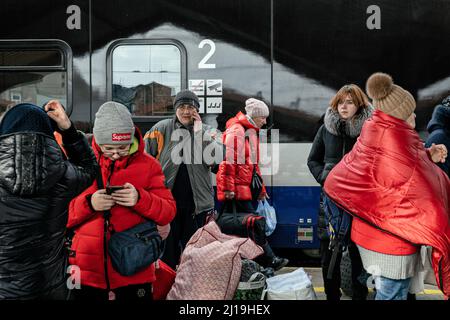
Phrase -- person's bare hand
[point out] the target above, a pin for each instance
(438, 152)
(229, 195)
(197, 121)
(127, 197)
(263, 196)
(101, 201)
(56, 112)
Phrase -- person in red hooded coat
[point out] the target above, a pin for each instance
(398, 197)
(119, 148)
(234, 177)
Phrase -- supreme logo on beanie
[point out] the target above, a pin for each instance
(113, 124)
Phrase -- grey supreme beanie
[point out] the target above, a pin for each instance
(113, 124)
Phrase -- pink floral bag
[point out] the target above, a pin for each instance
(210, 266)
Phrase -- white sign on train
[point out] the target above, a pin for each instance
(197, 86)
(214, 87)
(213, 105)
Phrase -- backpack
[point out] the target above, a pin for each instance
(339, 225)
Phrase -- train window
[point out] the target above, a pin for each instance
(35, 58)
(35, 72)
(145, 77)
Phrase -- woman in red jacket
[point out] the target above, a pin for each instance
(119, 149)
(235, 174)
(397, 195)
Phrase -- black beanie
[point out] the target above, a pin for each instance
(186, 97)
(26, 117)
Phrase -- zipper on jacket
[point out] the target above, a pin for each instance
(106, 225)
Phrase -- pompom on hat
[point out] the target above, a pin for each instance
(389, 97)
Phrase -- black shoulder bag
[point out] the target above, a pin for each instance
(242, 224)
(134, 249)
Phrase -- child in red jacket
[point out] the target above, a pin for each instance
(141, 194)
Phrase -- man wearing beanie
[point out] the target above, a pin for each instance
(130, 191)
(37, 182)
(235, 176)
(179, 144)
(396, 194)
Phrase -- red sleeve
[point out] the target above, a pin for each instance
(80, 209)
(155, 200)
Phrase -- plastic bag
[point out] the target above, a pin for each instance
(295, 285)
(268, 212)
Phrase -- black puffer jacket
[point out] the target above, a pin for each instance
(333, 140)
(36, 186)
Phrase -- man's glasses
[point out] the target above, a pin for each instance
(110, 152)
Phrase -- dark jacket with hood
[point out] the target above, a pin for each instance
(37, 183)
(439, 129)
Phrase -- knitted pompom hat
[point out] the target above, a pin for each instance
(389, 97)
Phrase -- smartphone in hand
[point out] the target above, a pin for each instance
(111, 189)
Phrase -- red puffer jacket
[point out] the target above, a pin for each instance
(389, 182)
(155, 203)
(242, 153)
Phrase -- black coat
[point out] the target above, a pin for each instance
(37, 183)
(326, 151)
(333, 140)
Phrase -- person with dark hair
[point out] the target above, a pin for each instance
(348, 110)
(37, 182)
(179, 144)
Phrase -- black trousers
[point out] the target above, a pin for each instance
(182, 228)
(138, 292)
(332, 286)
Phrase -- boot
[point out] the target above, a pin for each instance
(272, 260)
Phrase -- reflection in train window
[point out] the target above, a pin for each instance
(33, 72)
(36, 58)
(146, 77)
